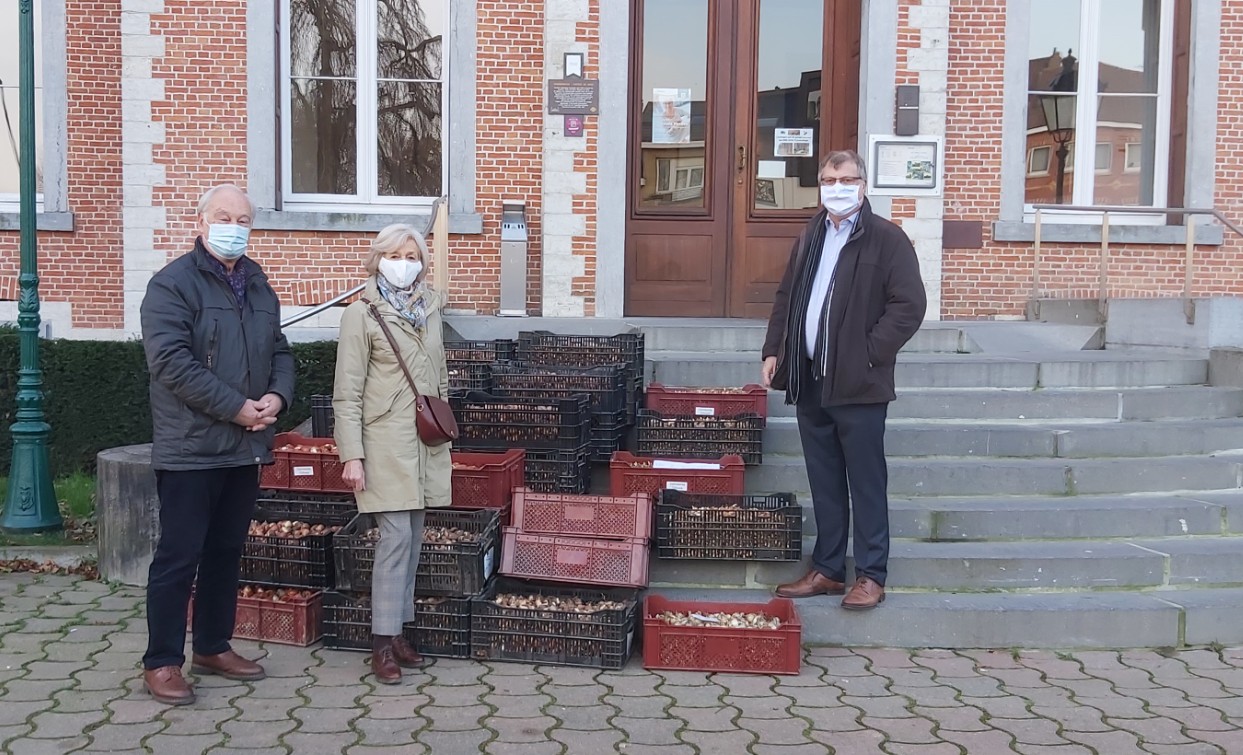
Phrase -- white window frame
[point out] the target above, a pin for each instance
(368, 198)
(1087, 107)
(1126, 158)
(11, 202)
(1048, 160)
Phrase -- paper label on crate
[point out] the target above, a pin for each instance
(705, 411)
(670, 464)
(489, 560)
(676, 485)
(303, 471)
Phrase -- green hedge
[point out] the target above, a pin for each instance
(95, 395)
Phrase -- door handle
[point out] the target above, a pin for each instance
(742, 163)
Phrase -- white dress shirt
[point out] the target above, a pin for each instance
(822, 284)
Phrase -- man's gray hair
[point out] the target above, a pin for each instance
(210, 194)
(838, 158)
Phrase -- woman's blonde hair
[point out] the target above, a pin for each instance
(392, 238)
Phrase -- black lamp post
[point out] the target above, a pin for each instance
(1059, 119)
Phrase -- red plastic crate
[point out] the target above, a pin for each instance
(287, 622)
(491, 485)
(723, 649)
(627, 479)
(705, 402)
(583, 515)
(304, 470)
(619, 563)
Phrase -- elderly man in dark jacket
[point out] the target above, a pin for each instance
(851, 297)
(221, 372)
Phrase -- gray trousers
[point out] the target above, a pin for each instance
(392, 576)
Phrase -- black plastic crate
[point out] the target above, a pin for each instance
(559, 471)
(445, 569)
(609, 433)
(544, 347)
(489, 422)
(728, 527)
(602, 639)
(441, 626)
(700, 437)
(315, 508)
(322, 420)
(604, 385)
(484, 352)
(469, 376)
(274, 561)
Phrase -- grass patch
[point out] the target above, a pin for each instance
(76, 497)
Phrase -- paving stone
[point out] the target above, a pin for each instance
(61, 610)
(53, 725)
(810, 748)
(17, 712)
(630, 685)
(649, 731)
(1152, 730)
(939, 697)
(961, 718)
(1070, 749)
(77, 701)
(864, 686)
(641, 749)
(333, 697)
(1118, 706)
(946, 663)
(114, 736)
(569, 675)
(1231, 706)
(1230, 741)
(530, 684)
(827, 696)
(590, 741)
(459, 718)
(394, 707)
(522, 748)
(862, 742)
(532, 729)
(409, 748)
(79, 651)
(1014, 679)
(452, 741)
(707, 719)
(386, 733)
(325, 720)
(706, 696)
(1231, 678)
(133, 711)
(32, 690)
(908, 730)
(991, 741)
(941, 748)
(1200, 658)
(166, 745)
(1201, 718)
(280, 689)
(196, 720)
(1112, 742)
(976, 686)
(1003, 707)
(774, 706)
(586, 694)
(31, 746)
(915, 676)
(1074, 718)
(890, 706)
(786, 731)
(841, 665)
(451, 672)
(842, 718)
(455, 696)
(745, 685)
(518, 706)
(243, 734)
(28, 643)
(720, 741)
(13, 731)
(685, 678)
(327, 742)
(1197, 748)
(1032, 731)
(887, 658)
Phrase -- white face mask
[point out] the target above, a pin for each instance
(840, 199)
(401, 273)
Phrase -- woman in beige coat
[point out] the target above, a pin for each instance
(394, 475)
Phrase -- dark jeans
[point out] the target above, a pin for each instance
(844, 448)
(204, 516)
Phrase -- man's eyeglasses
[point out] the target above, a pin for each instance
(847, 180)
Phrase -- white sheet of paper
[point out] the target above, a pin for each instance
(771, 169)
(667, 464)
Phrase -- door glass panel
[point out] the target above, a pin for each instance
(674, 98)
(1052, 86)
(788, 106)
(1126, 150)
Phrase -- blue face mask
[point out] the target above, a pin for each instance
(228, 240)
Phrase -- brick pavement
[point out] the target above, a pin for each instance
(69, 682)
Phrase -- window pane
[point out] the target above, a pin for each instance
(410, 39)
(409, 141)
(324, 143)
(1051, 128)
(787, 127)
(1128, 46)
(1127, 129)
(1052, 38)
(10, 115)
(674, 100)
(322, 38)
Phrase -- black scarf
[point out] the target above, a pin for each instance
(813, 249)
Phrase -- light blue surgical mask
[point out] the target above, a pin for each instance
(228, 240)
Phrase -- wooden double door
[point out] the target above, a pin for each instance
(732, 104)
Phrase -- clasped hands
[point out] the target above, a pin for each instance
(258, 415)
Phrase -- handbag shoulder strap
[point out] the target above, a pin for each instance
(392, 342)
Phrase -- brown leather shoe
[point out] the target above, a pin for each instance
(228, 664)
(405, 655)
(167, 685)
(865, 595)
(812, 583)
(384, 665)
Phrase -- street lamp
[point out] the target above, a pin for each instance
(1059, 120)
(31, 503)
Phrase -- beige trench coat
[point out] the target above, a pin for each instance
(374, 406)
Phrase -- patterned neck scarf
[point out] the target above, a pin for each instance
(409, 302)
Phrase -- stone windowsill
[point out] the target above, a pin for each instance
(1068, 233)
(45, 221)
(273, 220)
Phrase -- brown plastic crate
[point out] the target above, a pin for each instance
(700, 437)
(292, 621)
(487, 480)
(616, 563)
(304, 470)
(630, 474)
(583, 515)
(674, 401)
(722, 649)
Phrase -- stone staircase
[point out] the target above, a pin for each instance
(1044, 492)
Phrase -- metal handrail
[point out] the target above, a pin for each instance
(1105, 211)
(344, 296)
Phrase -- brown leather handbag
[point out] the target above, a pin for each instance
(434, 418)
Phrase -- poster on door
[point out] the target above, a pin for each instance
(671, 116)
(794, 142)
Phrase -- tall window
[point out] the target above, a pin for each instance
(10, 117)
(1100, 72)
(364, 99)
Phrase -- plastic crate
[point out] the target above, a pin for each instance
(602, 639)
(470, 376)
(581, 560)
(275, 561)
(629, 474)
(741, 527)
(583, 515)
(722, 649)
(485, 352)
(544, 347)
(304, 470)
(707, 402)
(559, 471)
(314, 508)
(700, 437)
(289, 621)
(604, 385)
(323, 422)
(502, 422)
(441, 626)
(487, 480)
(445, 569)
(609, 433)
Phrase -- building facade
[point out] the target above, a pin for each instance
(676, 190)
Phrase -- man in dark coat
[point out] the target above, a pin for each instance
(850, 298)
(221, 372)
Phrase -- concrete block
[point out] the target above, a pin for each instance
(1201, 561)
(1181, 402)
(663, 571)
(1209, 615)
(921, 477)
(135, 23)
(1123, 373)
(1218, 322)
(1080, 517)
(1169, 438)
(960, 373)
(1225, 367)
(1151, 475)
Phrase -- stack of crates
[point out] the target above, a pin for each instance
(702, 423)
